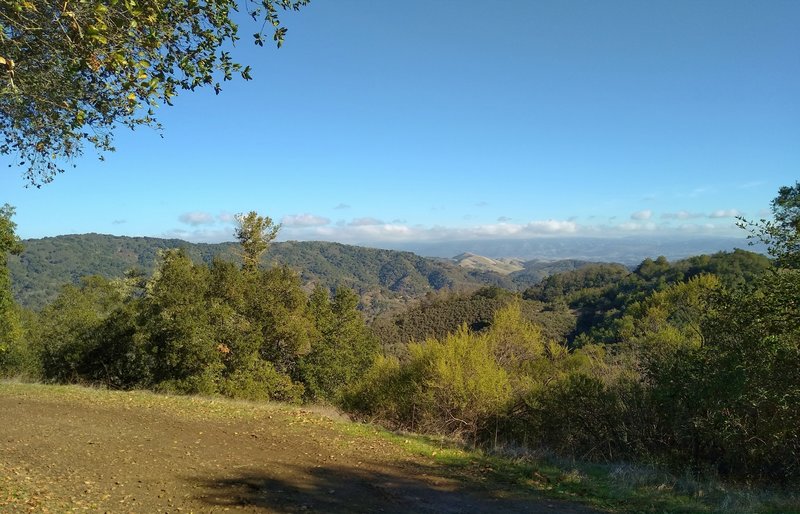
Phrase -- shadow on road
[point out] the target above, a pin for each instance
(339, 489)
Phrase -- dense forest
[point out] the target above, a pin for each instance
(384, 279)
(692, 365)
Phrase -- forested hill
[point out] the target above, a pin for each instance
(381, 277)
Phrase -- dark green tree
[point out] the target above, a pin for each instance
(344, 349)
(240, 337)
(10, 330)
(177, 329)
(73, 71)
(278, 306)
(750, 379)
(68, 330)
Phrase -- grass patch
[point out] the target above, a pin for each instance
(617, 488)
(187, 407)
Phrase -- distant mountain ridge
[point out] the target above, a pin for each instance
(382, 277)
(629, 251)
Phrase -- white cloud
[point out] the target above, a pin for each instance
(226, 217)
(342, 206)
(196, 218)
(725, 213)
(503, 219)
(681, 215)
(200, 235)
(304, 220)
(642, 215)
(532, 228)
(373, 230)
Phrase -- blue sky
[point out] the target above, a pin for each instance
(435, 120)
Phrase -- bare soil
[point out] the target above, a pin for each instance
(83, 450)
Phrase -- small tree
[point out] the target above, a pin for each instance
(254, 233)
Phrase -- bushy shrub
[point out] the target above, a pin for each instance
(260, 381)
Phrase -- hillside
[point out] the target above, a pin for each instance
(503, 266)
(380, 276)
(383, 278)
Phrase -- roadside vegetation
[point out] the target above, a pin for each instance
(686, 369)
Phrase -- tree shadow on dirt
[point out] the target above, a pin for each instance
(339, 489)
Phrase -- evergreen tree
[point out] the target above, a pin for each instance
(10, 329)
(177, 328)
(344, 349)
(254, 233)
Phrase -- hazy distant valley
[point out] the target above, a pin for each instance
(625, 250)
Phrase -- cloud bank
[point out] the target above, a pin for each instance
(196, 218)
(205, 227)
(304, 220)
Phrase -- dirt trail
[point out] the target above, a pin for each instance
(60, 454)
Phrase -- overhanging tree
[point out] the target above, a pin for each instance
(71, 71)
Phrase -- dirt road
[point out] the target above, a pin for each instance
(81, 450)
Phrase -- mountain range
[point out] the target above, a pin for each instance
(383, 278)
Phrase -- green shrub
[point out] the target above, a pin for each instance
(261, 381)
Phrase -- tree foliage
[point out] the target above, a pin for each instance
(202, 328)
(72, 71)
(696, 367)
(9, 315)
(49, 263)
(781, 234)
(460, 383)
(254, 234)
(345, 347)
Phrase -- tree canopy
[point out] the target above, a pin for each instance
(71, 72)
(254, 233)
(9, 322)
(782, 233)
